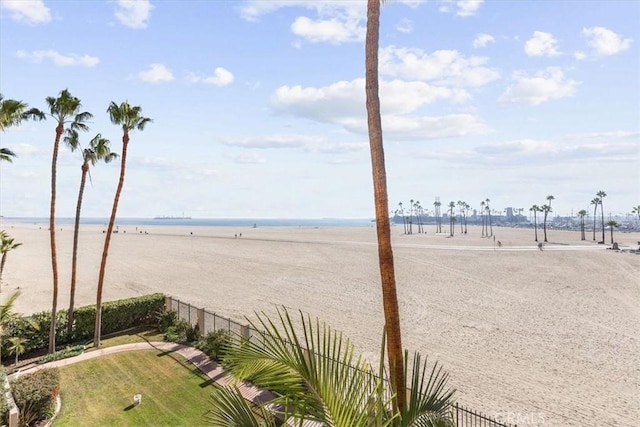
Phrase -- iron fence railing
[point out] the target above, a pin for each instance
(211, 322)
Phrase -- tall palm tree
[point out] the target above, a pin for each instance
(601, 194)
(467, 209)
(129, 118)
(437, 205)
(582, 213)
(535, 209)
(65, 110)
(385, 252)
(612, 224)
(636, 210)
(489, 212)
(460, 205)
(546, 209)
(482, 203)
(6, 244)
(411, 206)
(12, 113)
(97, 150)
(404, 218)
(6, 314)
(595, 202)
(315, 375)
(451, 206)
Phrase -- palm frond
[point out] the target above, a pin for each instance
(230, 409)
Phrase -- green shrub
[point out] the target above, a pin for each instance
(182, 332)
(62, 354)
(166, 319)
(214, 344)
(35, 395)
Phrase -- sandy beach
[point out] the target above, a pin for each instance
(537, 338)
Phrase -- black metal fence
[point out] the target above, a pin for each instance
(211, 322)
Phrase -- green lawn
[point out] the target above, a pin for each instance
(99, 392)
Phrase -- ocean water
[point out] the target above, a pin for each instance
(208, 222)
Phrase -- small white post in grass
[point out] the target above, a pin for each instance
(137, 399)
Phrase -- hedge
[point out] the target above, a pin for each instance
(35, 395)
(116, 316)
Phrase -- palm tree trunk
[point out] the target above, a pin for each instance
(602, 219)
(535, 225)
(107, 240)
(544, 226)
(52, 233)
(595, 216)
(385, 252)
(74, 257)
(4, 259)
(612, 235)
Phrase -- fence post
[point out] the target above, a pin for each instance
(167, 303)
(201, 324)
(244, 332)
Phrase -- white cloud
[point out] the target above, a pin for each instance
(247, 158)
(483, 40)
(27, 11)
(405, 26)
(468, 7)
(328, 30)
(59, 59)
(604, 41)
(271, 141)
(447, 67)
(542, 44)
(580, 55)
(133, 13)
(343, 102)
(221, 77)
(544, 86)
(157, 73)
(425, 127)
(535, 152)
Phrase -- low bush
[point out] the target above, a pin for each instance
(166, 319)
(35, 395)
(62, 354)
(182, 332)
(214, 344)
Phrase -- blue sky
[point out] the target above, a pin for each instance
(258, 106)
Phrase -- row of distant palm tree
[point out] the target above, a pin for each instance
(65, 109)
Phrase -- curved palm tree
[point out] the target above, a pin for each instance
(595, 202)
(6, 314)
(612, 224)
(535, 209)
(129, 118)
(315, 375)
(385, 252)
(12, 113)
(601, 194)
(65, 110)
(97, 150)
(6, 244)
(582, 213)
(546, 209)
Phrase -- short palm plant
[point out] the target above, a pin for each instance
(315, 375)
